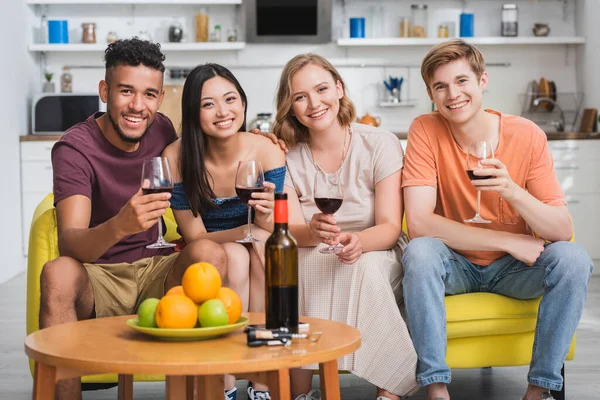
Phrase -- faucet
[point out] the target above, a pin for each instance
(560, 125)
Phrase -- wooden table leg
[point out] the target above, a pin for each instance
(210, 387)
(279, 384)
(330, 382)
(176, 387)
(44, 382)
(125, 387)
(192, 387)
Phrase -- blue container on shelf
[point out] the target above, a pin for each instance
(58, 31)
(357, 27)
(467, 24)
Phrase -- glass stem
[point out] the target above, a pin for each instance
(160, 233)
(478, 201)
(249, 221)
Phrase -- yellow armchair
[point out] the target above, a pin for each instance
(484, 329)
(43, 247)
(490, 330)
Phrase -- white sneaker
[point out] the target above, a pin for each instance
(314, 394)
(231, 394)
(258, 395)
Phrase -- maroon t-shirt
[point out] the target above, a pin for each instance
(85, 163)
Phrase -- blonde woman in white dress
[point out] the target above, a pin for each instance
(360, 286)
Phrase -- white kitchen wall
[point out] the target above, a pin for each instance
(15, 79)
(258, 66)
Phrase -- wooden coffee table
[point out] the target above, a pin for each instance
(107, 345)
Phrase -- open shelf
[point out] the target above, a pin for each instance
(404, 103)
(191, 46)
(50, 2)
(523, 40)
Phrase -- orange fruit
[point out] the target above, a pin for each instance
(201, 281)
(232, 302)
(176, 312)
(175, 290)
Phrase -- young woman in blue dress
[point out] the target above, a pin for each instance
(204, 163)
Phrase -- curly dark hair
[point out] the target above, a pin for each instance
(133, 52)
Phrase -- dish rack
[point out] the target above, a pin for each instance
(547, 114)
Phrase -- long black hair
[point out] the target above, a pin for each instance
(195, 177)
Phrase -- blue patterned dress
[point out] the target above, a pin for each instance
(230, 212)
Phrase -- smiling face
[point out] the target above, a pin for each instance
(221, 108)
(316, 98)
(457, 92)
(132, 96)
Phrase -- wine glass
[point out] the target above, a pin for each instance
(249, 179)
(156, 178)
(329, 199)
(479, 150)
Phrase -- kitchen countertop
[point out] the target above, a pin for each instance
(400, 135)
(549, 135)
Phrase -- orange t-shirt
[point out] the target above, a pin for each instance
(433, 158)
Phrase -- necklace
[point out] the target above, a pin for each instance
(344, 152)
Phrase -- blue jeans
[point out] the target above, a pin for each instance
(432, 270)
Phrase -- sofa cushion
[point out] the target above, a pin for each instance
(483, 314)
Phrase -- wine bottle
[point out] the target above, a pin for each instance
(281, 268)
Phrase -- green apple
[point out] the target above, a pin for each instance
(146, 312)
(212, 313)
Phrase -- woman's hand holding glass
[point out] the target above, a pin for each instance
(352, 249)
(323, 227)
(263, 203)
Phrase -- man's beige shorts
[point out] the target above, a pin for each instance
(120, 288)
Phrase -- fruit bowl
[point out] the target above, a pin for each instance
(187, 334)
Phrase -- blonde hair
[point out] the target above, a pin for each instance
(447, 52)
(287, 126)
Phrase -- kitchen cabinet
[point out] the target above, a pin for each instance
(577, 163)
(36, 180)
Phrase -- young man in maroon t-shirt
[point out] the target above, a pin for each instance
(104, 220)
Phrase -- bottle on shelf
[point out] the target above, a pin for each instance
(202, 27)
(217, 37)
(281, 269)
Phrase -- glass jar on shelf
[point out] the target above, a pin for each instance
(66, 81)
(443, 31)
(231, 35)
(88, 32)
(419, 20)
(510, 20)
(112, 37)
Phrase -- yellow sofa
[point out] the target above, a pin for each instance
(484, 329)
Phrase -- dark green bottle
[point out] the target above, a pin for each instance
(281, 268)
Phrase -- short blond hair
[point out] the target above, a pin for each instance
(447, 52)
(287, 126)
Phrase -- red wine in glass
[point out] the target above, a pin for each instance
(156, 178)
(249, 179)
(245, 194)
(328, 205)
(474, 177)
(328, 195)
(477, 151)
(163, 189)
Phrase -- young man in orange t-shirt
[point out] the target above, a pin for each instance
(447, 256)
